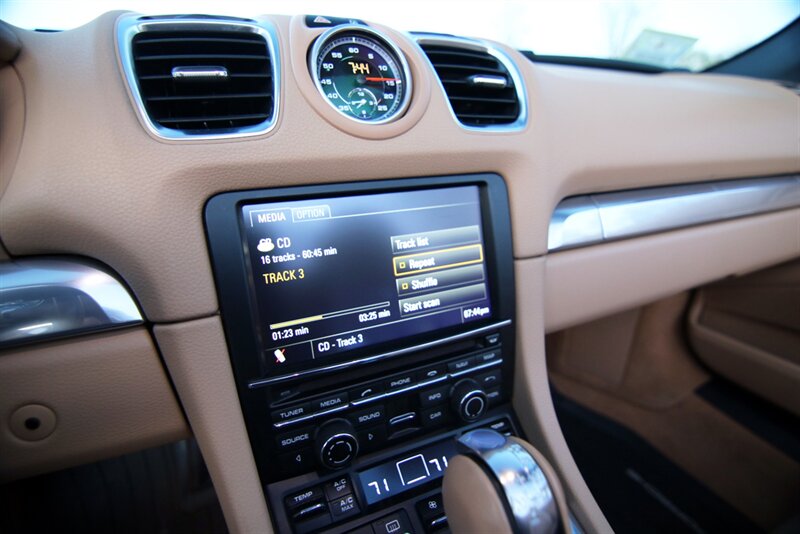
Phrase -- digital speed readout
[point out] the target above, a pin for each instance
(361, 75)
(340, 274)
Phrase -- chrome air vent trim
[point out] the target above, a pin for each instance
(432, 39)
(129, 25)
(590, 219)
(52, 298)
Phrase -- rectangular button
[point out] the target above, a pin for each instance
(501, 426)
(440, 259)
(372, 438)
(493, 395)
(435, 417)
(313, 524)
(431, 507)
(431, 239)
(409, 285)
(492, 339)
(295, 439)
(403, 424)
(448, 298)
(329, 402)
(338, 488)
(492, 379)
(430, 373)
(487, 357)
(366, 391)
(309, 510)
(304, 497)
(295, 462)
(400, 381)
(437, 524)
(432, 397)
(368, 417)
(344, 507)
(396, 523)
(291, 412)
(461, 365)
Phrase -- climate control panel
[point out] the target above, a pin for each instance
(394, 492)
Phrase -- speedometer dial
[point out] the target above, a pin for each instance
(361, 74)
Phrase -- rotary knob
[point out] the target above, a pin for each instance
(336, 443)
(468, 400)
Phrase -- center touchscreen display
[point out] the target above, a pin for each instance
(337, 274)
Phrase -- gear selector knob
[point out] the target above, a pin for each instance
(494, 474)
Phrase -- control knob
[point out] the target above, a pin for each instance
(336, 443)
(468, 400)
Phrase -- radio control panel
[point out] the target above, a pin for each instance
(329, 431)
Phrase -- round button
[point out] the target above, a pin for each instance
(468, 400)
(33, 422)
(474, 406)
(340, 450)
(336, 443)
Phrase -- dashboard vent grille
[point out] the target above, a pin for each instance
(479, 86)
(202, 82)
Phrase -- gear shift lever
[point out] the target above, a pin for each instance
(502, 485)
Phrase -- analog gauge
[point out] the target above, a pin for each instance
(361, 74)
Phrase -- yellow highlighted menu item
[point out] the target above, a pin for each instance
(439, 259)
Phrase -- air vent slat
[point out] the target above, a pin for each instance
(217, 118)
(202, 105)
(485, 116)
(169, 40)
(147, 78)
(483, 99)
(470, 68)
(206, 97)
(178, 57)
(475, 104)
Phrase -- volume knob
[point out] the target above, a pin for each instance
(336, 443)
(468, 400)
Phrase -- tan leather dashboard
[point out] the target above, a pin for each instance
(79, 175)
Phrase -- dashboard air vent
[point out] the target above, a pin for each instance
(479, 86)
(198, 80)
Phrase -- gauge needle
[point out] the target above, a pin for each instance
(376, 79)
(359, 103)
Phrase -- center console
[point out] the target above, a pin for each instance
(369, 325)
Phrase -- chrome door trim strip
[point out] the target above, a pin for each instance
(596, 218)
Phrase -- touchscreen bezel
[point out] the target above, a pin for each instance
(235, 285)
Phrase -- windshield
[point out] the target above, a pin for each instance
(687, 34)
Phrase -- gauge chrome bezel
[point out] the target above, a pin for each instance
(384, 42)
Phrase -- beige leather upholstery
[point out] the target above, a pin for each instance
(748, 330)
(108, 394)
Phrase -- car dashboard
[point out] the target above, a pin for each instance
(324, 247)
